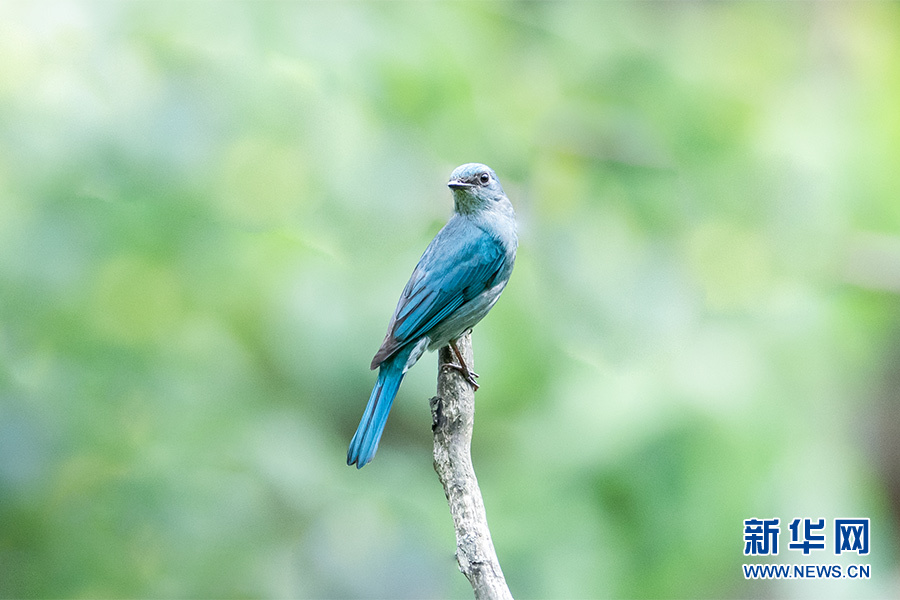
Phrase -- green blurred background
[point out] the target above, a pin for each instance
(208, 211)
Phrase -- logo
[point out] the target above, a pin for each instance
(807, 536)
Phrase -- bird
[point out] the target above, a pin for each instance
(456, 282)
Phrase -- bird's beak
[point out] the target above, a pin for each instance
(457, 184)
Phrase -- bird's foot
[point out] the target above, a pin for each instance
(467, 374)
(462, 367)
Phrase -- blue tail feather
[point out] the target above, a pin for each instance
(371, 426)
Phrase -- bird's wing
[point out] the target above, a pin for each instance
(460, 263)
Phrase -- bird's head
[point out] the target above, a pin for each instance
(475, 187)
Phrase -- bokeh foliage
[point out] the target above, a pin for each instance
(207, 211)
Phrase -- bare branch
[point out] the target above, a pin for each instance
(453, 415)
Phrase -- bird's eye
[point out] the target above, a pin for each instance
(484, 178)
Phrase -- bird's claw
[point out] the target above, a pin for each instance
(465, 372)
(462, 367)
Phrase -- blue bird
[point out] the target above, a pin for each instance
(457, 281)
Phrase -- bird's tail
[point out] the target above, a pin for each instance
(371, 426)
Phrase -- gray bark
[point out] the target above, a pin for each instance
(453, 415)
